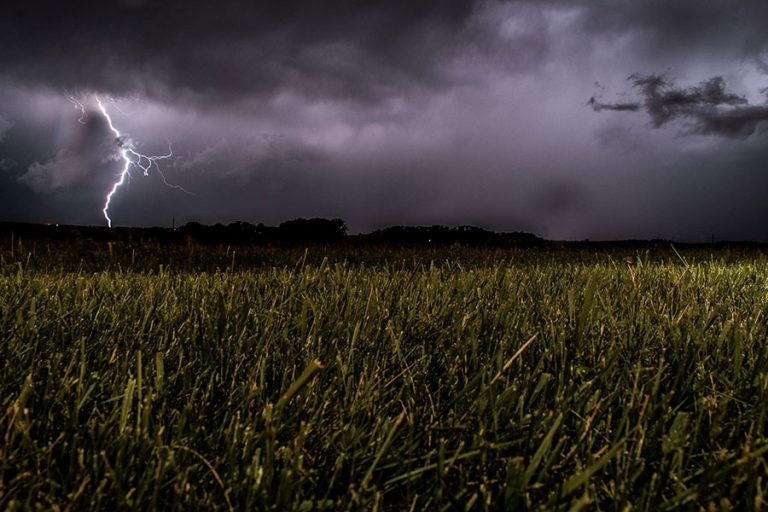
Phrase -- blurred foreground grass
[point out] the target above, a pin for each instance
(454, 380)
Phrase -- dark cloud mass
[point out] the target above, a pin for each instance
(233, 48)
(707, 108)
(386, 112)
(597, 106)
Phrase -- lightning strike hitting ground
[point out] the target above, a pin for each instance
(129, 156)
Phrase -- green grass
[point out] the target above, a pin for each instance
(455, 380)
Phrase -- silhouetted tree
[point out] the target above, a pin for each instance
(313, 230)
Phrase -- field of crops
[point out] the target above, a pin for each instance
(459, 380)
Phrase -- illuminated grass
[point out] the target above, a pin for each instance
(470, 383)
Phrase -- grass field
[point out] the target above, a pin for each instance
(265, 379)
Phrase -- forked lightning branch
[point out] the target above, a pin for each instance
(129, 156)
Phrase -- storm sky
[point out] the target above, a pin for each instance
(600, 119)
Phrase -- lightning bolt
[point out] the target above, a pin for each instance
(79, 106)
(129, 156)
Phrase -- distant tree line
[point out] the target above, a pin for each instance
(318, 231)
(333, 231)
(311, 231)
(293, 232)
(442, 235)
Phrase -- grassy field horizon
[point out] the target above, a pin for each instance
(192, 377)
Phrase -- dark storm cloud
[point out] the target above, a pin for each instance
(675, 27)
(707, 108)
(84, 152)
(344, 49)
(597, 106)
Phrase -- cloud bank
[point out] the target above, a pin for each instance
(706, 108)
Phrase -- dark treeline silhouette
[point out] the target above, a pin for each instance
(293, 232)
(470, 236)
(297, 231)
(318, 231)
